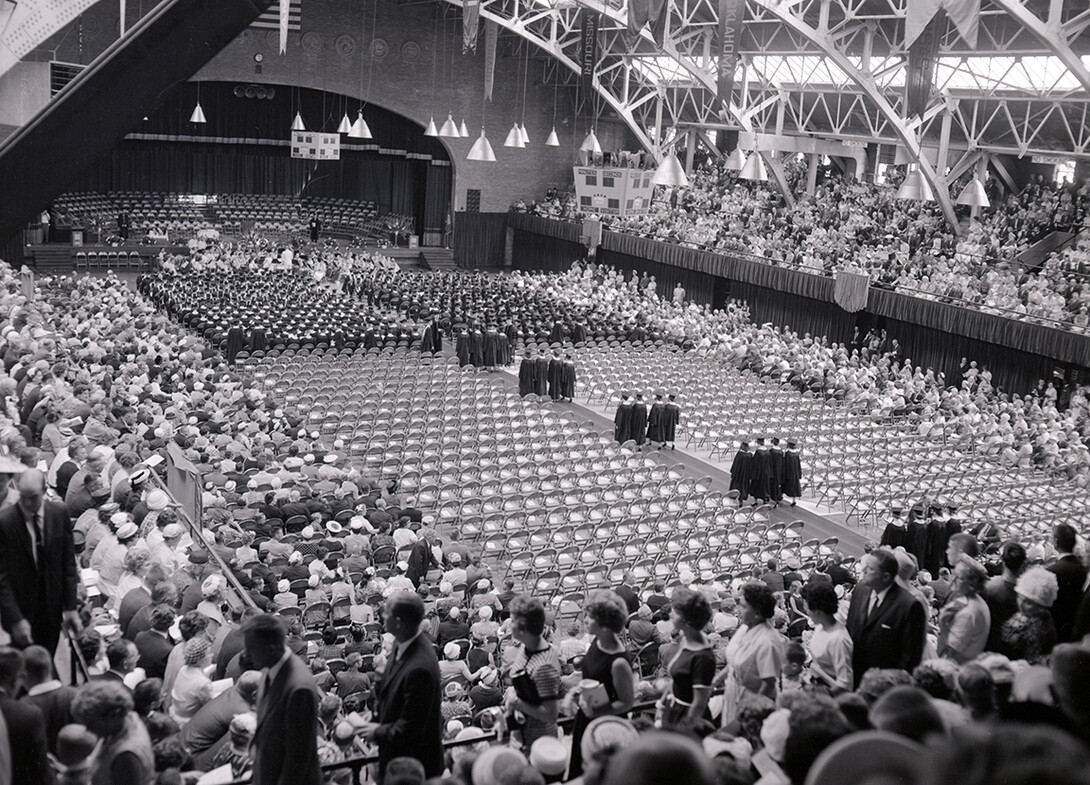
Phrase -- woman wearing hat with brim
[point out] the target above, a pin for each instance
(1030, 634)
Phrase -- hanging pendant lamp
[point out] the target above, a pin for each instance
(735, 161)
(449, 129)
(514, 137)
(754, 168)
(462, 130)
(553, 140)
(973, 194)
(431, 129)
(670, 173)
(481, 150)
(360, 129)
(197, 116)
(525, 136)
(591, 145)
(915, 187)
(345, 126)
(297, 123)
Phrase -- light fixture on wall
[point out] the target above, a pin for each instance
(481, 150)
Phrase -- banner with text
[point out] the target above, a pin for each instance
(588, 51)
(730, 36)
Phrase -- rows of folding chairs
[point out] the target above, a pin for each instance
(529, 483)
(857, 460)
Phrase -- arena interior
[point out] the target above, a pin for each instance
(480, 392)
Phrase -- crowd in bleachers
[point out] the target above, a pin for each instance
(777, 673)
(906, 245)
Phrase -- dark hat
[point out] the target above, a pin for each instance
(75, 745)
(198, 557)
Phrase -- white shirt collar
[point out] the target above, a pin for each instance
(881, 595)
(44, 687)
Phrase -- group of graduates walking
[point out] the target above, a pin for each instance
(544, 375)
(488, 348)
(925, 534)
(767, 473)
(633, 421)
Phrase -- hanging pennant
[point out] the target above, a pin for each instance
(285, 19)
(491, 32)
(730, 36)
(920, 72)
(471, 15)
(588, 50)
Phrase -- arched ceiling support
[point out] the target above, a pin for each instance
(703, 78)
(1052, 34)
(555, 30)
(782, 10)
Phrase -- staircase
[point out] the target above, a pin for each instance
(1034, 256)
(437, 259)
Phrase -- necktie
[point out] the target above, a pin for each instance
(873, 604)
(37, 536)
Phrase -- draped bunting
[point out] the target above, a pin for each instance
(965, 14)
(647, 12)
(851, 290)
(471, 14)
(491, 33)
(920, 72)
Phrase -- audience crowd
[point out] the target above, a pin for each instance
(774, 676)
(902, 244)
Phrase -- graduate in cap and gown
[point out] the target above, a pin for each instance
(638, 430)
(670, 418)
(622, 420)
(567, 378)
(741, 470)
(761, 478)
(655, 431)
(775, 486)
(526, 375)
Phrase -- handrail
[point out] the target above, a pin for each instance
(244, 597)
(77, 665)
(357, 764)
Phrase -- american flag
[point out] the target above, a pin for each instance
(270, 20)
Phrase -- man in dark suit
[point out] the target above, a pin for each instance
(122, 656)
(48, 695)
(154, 645)
(1070, 575)
(37, 567)
(26, 725)
(409, 716)
(886, 623)
(206, 733)
(285, 742)
(628, 594)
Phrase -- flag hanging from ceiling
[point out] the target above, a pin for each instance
(965, 14)
(588, 50)
(471, 15)
(730, 35)
(647, 12)
(491, 32)
(270, 20)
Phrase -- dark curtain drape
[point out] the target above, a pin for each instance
(479, 239)
(437, 198)
(932, 334)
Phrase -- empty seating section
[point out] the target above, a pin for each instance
(852, 458)
(552, 500)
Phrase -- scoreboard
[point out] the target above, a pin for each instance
(620, 191)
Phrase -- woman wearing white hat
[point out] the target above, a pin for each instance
(1030, 634)
(453, 669)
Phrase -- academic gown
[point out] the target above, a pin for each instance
(740, 471)
(776, 485)
(638, 429)
(671, 416)
(541, 375)
(655, 422)
(567, 380)
(526, 376)
(792, 474)
(555, 368)
(760, 483)
(236, 342)
(894, 536)
(916, 541)
(462, 350)
(936, 547)
(622, 422)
